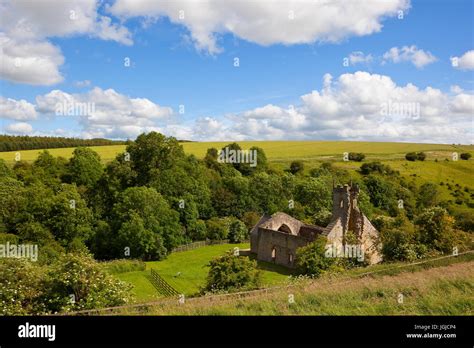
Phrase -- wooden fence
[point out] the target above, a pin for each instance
(162, 285)
(199, 244)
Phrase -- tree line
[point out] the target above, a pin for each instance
(23, 142)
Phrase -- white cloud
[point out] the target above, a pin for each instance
(360, 106)
(33, 62)
(28, 56)
(358, 57)
(456, 89)
(52, 18)
(463, 103)
(353, 106)
(20, 110)
(465, 62)
(416, 56)
(20, 128)
(105, 113)
(286, 22)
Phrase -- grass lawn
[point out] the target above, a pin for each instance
(143, 290)
(192, 265)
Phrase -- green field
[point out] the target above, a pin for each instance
(282, 150)
(192, 266)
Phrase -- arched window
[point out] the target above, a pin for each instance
(284, 228)
(290, 258)
(273, 254)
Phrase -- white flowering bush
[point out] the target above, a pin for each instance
(73, 282)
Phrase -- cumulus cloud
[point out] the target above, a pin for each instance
(362, 106)
(28, 56)
(20, 128)
(31, 61)
(19, 110)
(105, 113)
(286, 22)
(352, 106)
(412, 54)
(465, 62)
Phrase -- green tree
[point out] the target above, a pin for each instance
(217, 228)
(153, 210)
(142, 243)
(428, 195)
(85, 167)
(153, 152)
(435, 228)
(198, 231)
(238, 232)
(232, 273)
(382, 193)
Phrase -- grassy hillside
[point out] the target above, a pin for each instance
(444, 290)
(192, 266)
(282, 150)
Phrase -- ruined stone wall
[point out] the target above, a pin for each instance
(285, 245)
(370, 242)
(279, 219)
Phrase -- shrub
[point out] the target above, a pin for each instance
(356, 156)
(250, 219)
(82, 277)
(198, 231)
(238, 232)
(465, 156)
(20, 287)
(231, 273)
(420, 156)
(217, 228)
(376, 167)
(411, 156)
(435, 229)
(311, 259)
(296, 167)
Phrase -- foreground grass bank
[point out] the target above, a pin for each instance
(445, 290)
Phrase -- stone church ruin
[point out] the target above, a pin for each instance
(276, 238)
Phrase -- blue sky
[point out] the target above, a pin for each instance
(175, 63)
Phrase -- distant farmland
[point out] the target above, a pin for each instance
(283, 151)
